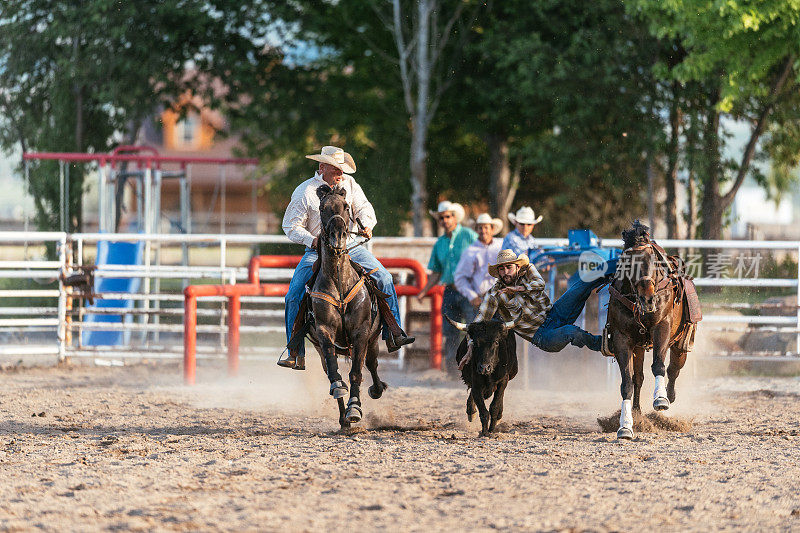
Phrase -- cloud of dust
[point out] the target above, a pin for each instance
(585, 385)
(262, 385)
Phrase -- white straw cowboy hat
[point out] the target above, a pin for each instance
(456, 209)
(525, 215)
(485, 218)
(336, 157)
(507, 257)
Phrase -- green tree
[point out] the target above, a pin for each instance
(74, 74)
(385, 66)
(744, 56)
(561, 93)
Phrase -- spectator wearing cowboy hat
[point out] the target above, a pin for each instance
(520, 240)
(442, 266)
(472, 278)
(302, 224)
(519, 295)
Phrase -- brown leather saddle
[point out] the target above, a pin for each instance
(305, 317)
(684, 289)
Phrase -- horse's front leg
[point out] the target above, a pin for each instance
(660, 347)
(359, 349)
(624, 355)
(325, 336)
(638, 377)
(677, 358)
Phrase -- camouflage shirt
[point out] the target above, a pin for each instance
(526, 303)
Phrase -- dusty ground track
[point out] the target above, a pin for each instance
(87, 448)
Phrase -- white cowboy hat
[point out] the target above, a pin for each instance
(336, 157)
(456, 209)
(525, 215)
(485, 218)
(507, 257)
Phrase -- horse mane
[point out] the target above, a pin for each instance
(638, 235)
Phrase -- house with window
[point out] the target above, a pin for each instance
(224, 198)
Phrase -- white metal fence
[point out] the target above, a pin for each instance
(42, 317)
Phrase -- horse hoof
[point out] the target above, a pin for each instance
(354, 414)
(624, 433)
(470, 417)
(660, 404)
(376, 392)
(338, 389)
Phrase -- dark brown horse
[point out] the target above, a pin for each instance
(648, 310)
(344, 319)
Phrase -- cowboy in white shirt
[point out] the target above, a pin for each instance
(520, 240)
(302, 225)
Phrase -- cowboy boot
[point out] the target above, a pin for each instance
(289, 362)
(395, 342)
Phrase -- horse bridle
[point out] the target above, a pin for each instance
(633, 304)
(335, 250)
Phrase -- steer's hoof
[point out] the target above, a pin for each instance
(338, 389)
(661, 404)
(624, 433)
(354, 413)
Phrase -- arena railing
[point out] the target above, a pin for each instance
(46, 326)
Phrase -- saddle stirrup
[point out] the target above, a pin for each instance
(605, 346)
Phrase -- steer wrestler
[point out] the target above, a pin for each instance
(302, 225)
(519, 295)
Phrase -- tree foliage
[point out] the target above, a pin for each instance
(744, 56)
(72, 74)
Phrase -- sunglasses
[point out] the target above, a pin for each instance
(443, 217)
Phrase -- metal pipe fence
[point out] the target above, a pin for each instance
(55, 311)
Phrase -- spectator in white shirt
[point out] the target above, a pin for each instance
(472, 276)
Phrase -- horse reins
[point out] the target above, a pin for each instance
(336, 251)
(665, 283)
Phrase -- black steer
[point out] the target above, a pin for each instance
(490, 364)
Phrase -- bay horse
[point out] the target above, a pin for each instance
(345, 319)
(653, 305)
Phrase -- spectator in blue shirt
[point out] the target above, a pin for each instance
(521, 240)
(442, 266)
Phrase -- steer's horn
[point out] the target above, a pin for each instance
(458, 325)
(510, 324)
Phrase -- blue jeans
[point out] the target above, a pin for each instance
(303, 272)
(558, 329)
(457, 307)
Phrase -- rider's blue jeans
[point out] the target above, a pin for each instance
(558, 329)
(303, 272)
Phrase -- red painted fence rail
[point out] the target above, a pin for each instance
(256, 288)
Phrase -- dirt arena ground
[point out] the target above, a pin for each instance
(87, 448)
